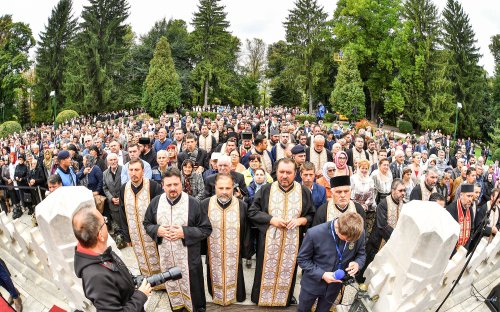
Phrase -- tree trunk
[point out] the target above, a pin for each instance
(205, 99)
(309, 91)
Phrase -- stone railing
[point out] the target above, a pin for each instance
(49, 249)
(412, 272)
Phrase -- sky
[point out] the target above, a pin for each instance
(249, 19)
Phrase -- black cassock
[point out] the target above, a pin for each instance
(198, 229)
(320, 215)
(245, 247)
(154, 190)
(258, 213)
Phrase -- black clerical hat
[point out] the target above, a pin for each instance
(298, 149)
(340, 181)
(144, 141)
(467, 188)
(246, 135)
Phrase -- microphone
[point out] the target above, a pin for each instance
(339, 274)
(342, 276)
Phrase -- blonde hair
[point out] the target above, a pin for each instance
(350, 225)
(363, 163)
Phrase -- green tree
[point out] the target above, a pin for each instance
(369, 28)
(15, 42)
(282, 91)
(162, 88)
(213, 48)
(348, 97)
(140, 55)
(463, 69)
(306, 30)
(51, 61)
(98, 55)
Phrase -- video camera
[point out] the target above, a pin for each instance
(173, 273)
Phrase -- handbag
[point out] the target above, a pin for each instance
(99, 202)
(26, 197)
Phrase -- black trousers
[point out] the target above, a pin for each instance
(325, 302)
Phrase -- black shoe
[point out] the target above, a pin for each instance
(120, 242)
(17, 212)
(293, 300)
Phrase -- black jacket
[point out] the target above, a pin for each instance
(107, 282)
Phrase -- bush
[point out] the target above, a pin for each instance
(405, 127)
(329, 117)
(66, 115)
(10, 127)
(496, 155)
(302, 118)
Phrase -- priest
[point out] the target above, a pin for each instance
(135, 196)
(228, 244)
(388, 211)
(462, 211)
(424, 190)
(282, 212)
(176, 222)
(340, 203)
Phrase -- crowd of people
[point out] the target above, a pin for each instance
(251, 187)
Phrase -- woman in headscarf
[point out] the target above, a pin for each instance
(192, 181)
(362, 189)
(341, 164)
(328, 173)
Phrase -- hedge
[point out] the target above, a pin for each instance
(10, 127)
(302, 118)
(405, 127)
(66, 115)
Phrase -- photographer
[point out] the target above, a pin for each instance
(327, 249)
(106, 279)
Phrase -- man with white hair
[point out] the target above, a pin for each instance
(111, 187)
(397, 165)
(224, 166)
(87, 143)
(318, 154)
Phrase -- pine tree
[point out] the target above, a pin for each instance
(99, 52)
(463, 69)
(51, 61)
(212, 46)
(348, 97)
(162, 88)
(306, 30)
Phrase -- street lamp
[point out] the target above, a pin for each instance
(459, 106)
(53, 95)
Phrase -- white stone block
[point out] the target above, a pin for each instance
(408, 270)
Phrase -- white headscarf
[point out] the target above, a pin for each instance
(325, 169)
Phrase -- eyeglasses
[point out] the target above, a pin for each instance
(343, 158)
(105, 222)
(331, 170)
